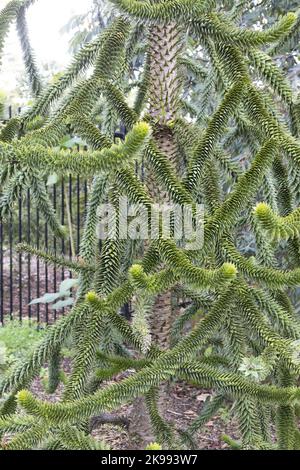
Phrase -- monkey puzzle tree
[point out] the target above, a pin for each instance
(243, 304)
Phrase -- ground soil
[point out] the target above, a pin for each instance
(185, 403)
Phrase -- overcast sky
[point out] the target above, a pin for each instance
(45, 19)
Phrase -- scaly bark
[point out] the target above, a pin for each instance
(164, 46)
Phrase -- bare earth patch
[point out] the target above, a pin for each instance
(185, 404)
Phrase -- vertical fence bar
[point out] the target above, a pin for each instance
(1, 274)
(29, 256)
(38, 262)
(11, 293)
(71, 219)
(63, 220)
(85, 188)
(54, 247)
(78, 215)
(143, 170)
(63, 223)
(20, 260)
(46, 273)
(78, 210)
(85, 195)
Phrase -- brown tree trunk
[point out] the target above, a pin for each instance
(164, 47)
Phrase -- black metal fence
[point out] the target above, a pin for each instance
(24, 277)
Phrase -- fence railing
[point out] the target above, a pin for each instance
(24, 277)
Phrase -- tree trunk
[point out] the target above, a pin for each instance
(164, 47)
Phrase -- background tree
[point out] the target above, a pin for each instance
(244, 304)
(87, 26)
